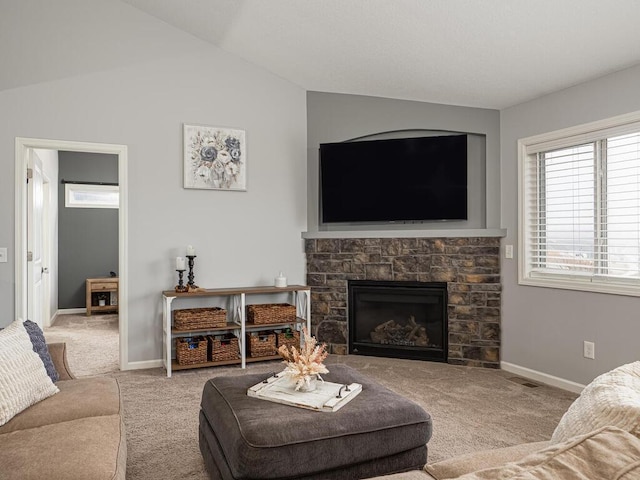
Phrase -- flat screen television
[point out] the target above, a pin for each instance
(395, 180)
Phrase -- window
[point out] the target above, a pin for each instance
(580, 208)
(91, 196)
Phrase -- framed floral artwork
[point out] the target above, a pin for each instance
(214, 158)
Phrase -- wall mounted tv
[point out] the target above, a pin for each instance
(395, 180)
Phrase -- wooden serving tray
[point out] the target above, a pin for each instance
(327, 397)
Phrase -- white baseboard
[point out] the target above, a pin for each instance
(70, 311)
(542, 377)
(52, 320)
(144, 364)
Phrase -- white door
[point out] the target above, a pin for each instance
(46, 253)
(35, 268)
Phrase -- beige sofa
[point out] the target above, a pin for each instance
(585, 456)
(78, 433)
(464, 464)
(598, 438)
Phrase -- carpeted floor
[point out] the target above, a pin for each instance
(92, 342)
(473, 409)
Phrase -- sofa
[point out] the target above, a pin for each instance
(598, 438)
(77, 433)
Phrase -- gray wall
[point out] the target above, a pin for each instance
(543, 328)
(335, 117)
(155, 78)
(87, 237)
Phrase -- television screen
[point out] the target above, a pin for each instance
(407, 179)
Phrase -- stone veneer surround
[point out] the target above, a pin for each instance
(469, 265)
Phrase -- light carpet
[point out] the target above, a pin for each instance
(472, 409)
(92, 342)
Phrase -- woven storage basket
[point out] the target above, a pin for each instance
(290, 338)
(261, 344)
(271, 313)
(192, 350)
(199, 318)
(223, 347)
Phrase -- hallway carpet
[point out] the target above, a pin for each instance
(92, 342)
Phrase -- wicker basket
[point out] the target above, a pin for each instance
(261, 344)
(271, 313)
(199, 318)
(191, 350)
(223, 347)
(290, 338)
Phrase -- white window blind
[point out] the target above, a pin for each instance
(564, 218)
(580, 211)
(621, 219)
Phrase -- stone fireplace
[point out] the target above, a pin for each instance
(469, 266)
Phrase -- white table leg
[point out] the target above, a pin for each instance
(166, 330)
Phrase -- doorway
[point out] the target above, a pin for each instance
(24, 302)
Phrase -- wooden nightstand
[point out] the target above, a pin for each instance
(95, 286)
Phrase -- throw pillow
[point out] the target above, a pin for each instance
(40, 347)
(23, 378)
(613, 398)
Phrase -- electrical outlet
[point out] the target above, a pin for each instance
(589, 350)
(3, 255)
(508, 251)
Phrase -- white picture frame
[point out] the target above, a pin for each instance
(215, 158)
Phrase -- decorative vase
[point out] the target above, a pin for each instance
(309, 386)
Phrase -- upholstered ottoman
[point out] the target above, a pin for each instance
(244, 438)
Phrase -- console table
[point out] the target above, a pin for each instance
(238, 324)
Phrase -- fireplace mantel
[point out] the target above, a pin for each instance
(408, 233)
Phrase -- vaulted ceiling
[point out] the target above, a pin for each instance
(484, 53)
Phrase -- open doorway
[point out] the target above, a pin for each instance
(87, 269)
(62, 244)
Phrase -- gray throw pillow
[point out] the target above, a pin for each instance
(40, 347)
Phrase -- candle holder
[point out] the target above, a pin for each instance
(190, 284)
(181, 287)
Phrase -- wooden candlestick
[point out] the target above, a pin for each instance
(191, 284)
(181, 286)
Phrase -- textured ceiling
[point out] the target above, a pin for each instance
(485, 53)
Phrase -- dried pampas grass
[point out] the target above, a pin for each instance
(304, 365)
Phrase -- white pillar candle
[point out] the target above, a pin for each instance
(281, 281)
(191, 251)
(180, 265)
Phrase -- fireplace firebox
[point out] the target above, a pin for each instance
(398, 319)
